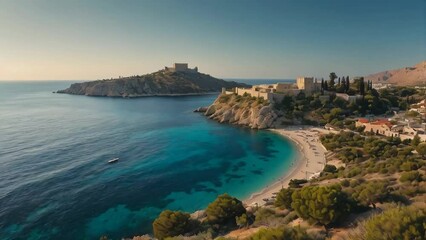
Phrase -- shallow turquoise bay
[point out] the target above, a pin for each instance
(55, 180)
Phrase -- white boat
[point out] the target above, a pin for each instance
(113, 160)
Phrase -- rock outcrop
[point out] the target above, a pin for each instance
(243, 110)
(161, 83)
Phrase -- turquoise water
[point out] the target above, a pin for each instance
(55, 182)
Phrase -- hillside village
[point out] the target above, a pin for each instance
(405, 121)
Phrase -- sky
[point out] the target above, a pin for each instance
(96, 39)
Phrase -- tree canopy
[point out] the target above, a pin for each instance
(406, 223)
(281, 234)
(224, 210)
(284, 199)
(322, 205)
(421, 149)
(171, 223)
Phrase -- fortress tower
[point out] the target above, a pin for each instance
(180, 67)
(306, 83)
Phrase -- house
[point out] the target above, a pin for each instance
(386, 128)
(419, 107)
(348, 98)
(380, 126)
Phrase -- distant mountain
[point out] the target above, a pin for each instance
(407, 76)
(161, 83)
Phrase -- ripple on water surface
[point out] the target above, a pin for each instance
(55, 182)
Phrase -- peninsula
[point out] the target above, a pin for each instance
(171, 81)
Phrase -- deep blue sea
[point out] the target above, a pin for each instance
(55, 182)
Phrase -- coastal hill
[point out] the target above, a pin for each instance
(179, 80)
(242, 110)
(408, 76)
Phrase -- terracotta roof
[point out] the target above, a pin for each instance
(363, 120)
(382, 122)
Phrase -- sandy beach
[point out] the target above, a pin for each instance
(310, 162)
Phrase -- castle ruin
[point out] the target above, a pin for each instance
(181, 67)
(276, 92)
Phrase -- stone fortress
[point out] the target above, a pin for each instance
(276, 92)
(180, 67)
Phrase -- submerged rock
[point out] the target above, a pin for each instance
(201, 109)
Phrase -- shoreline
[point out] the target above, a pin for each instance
(142, 95)
(310, 160)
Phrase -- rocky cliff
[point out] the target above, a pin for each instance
(243, 110)
(408, 76)
(154, 84)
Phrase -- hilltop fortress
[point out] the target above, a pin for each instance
(180, 67)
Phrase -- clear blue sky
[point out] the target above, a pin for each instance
(76, 39)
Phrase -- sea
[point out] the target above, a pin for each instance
(56, 183)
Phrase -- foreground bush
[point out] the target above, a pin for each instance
(322, 205)
(283, 199)
(172, 223)
(407, 223)
(369, 193)
(410, 176)
(281, 234)
(224, 210)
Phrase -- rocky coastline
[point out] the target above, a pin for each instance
(243, 110)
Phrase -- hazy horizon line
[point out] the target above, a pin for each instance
(68, 80)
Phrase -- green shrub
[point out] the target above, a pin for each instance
(329, 168)
(290, 217)
(224, 210)
(405, 223)
(322, 205)
(369, 193)
(266, 216)
(295, 183)
(263, 214)
(345, 183)
(354, 182)
(421, 149)
(281, 234)
(408, 166)
(242, 221)
(283, 199)
(410, 176)
(171, 223)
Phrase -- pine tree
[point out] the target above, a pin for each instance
(347, 84)
(416, 141)
(343, 83)
(362, 87)
(333, 76)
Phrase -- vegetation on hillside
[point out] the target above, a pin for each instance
(172, 223)
(395, 223)
(379, 185)
(246, 100)
(328, 109)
